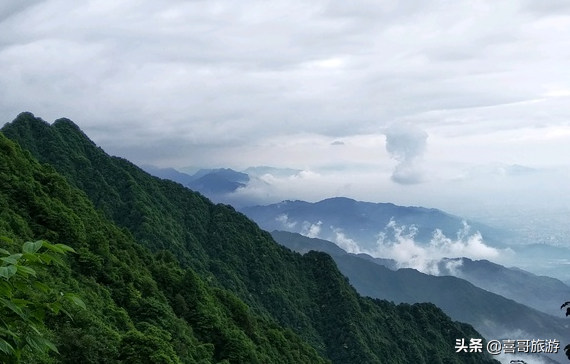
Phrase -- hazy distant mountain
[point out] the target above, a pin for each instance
(544, 259)
(167, 173)
(209, 182)
(225, 173)
(303, 244)
(362, 221)
(201, 282)
(215, 183)
(219, 184)
(540, 292)
(491, 314)
(388, 263)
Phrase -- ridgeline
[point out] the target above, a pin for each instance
(169, 277)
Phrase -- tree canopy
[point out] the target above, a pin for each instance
(25, 299)
(167, 275)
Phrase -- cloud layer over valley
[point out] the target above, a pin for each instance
(399, 243)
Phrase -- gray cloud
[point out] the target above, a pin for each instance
(546, 8)
(10, 8)
(406, 144)
(210, 67)
(234, 84)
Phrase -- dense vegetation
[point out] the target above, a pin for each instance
(141, 309)
(25, 299)
(484, 310)
(176, 279)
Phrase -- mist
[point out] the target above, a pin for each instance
(398, 242)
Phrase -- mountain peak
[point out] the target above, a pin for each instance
(215, 268)
(27, 118)
(66, 122)
(26, 115)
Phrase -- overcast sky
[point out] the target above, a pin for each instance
(450, 104)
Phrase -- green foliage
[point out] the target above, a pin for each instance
(215, 289)
(25, 299)
(150, 346)
(136, 300)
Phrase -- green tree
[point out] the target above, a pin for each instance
(25, 299)
(152, 345)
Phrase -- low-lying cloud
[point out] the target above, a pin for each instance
(311, 230)
(398, 242)
(425, 258)
(346, 243)
(284, 219)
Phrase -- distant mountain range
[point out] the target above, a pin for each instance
(357, 226)
(168, 173)
(545, 259)
(493, 313)
(167, 276)
(212, 183)
(365, 222)
(217, 181)
(539, 292)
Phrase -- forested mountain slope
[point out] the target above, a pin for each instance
(490, 313)
(140, 308)
(306, 294)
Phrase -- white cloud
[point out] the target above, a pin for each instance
(425, 258)
(311, 230)
(306, 174)
(235, 84)
(406, 143)
(287, 224)
(398, 242)
(344, 242)
(453, 266)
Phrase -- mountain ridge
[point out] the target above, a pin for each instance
(229, 251)
(490, 313)
(130, 316)
(365, 222)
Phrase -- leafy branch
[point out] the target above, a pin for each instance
(25, 299)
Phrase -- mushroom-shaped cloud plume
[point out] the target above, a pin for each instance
(406, 144)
